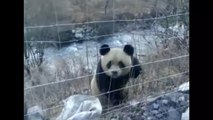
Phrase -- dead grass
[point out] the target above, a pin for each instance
(151, 81)
(51, 95)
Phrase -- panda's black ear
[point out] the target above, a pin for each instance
(104, 49)
(128, 49)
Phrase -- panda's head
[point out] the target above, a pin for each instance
(116, 62)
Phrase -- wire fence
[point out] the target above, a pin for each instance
(154, 80)
(143, 101)
(87, 38)
(127, 87)
(133, 20)
(183, 56)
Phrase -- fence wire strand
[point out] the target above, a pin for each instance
(51, 83)
(97, 46)
(145, 100)
(92, 22)
(154, 80)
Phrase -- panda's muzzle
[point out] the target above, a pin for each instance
(114, 74)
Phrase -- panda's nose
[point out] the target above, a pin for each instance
(114, 72)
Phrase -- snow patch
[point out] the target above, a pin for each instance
(184, 87)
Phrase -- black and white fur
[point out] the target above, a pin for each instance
(113, 71)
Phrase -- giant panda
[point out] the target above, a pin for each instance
(115, 68)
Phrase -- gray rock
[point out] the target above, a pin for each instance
(113, 119)
(155, 106)
(181, 98)
(155, 112)
(173, 114)
(173, 98)
(128, 118)
(159, 116)
(172, 104)
(142, 118)
(183, 103)
(186, 96)
(145, 114)
(167, 107)
(150, 118)
(143, 108)
(164, 101)
(163, 109)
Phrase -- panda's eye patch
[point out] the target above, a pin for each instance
(109, 64)
(121, 64)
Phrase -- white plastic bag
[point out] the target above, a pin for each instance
(81, 107)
